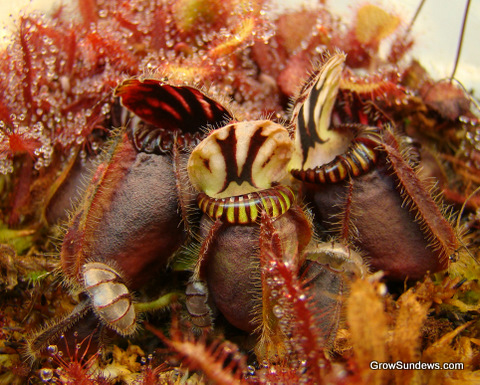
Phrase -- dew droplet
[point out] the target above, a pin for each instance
(79, 140)
(278, 311)
(52, 349)
(105, 109)
(250, 370)
(46, 374)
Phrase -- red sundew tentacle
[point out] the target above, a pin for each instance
(89, 11)
(211, 359)
(5, 113)
(27, 66)
(70, 42)
(290, 305)
(115, 51)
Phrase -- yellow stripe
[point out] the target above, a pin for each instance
(219, 211)
(210, 209)
(371, 154)
(366, 158)
(253, 212)
(282, 204)
(275, 212)
(287, 200)
(265, 204)
(331, 176)
(204, 204)
(354, 167)
(342, 171)
(321, 175)
(242, 212)
(231, 214)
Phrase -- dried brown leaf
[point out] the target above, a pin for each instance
(369, 329)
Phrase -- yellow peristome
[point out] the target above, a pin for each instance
(240, 158)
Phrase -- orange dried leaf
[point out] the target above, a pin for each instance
(407, 332)
(374, 24)
(369, 330)
(406, 339)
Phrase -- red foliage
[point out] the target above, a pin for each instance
(220, 361)
(297, 319)
(74, 367)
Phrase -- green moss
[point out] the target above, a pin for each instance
(20, 240)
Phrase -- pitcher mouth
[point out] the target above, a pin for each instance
(246, 209)
(357, 160)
